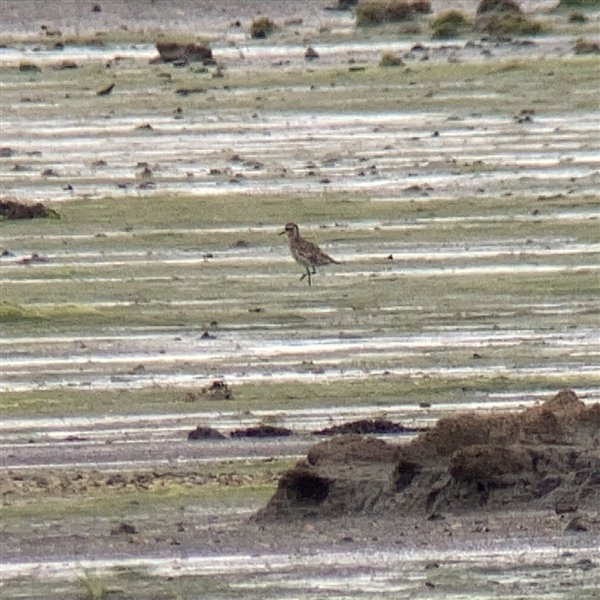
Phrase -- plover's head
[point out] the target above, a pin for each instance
(291, 229)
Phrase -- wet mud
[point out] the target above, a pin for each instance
(261, 431)
(364, 426)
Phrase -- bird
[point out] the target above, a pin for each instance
(306, 253)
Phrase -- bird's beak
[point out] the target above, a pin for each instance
(281, 232)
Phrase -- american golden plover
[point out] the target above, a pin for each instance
(306, 253)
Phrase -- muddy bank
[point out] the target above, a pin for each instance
(546, 458)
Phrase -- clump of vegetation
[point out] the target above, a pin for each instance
(450, 24)
(499, 25)
(583, 46)
(94, 588)
(498, 6)
(422, 7)
(261, 27)
(11, 312)
(504, 17)
(12, 209)
(389, 59)
(373, 12)
(577, 17)
(28, 67)
(346, 4)
(579, 4)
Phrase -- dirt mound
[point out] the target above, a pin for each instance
(205, 433)
(366, 426)
(261, 431)
(541, 458)
(11, 209)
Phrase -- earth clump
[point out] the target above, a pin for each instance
(467, 462)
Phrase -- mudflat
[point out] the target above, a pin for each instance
(146, 295)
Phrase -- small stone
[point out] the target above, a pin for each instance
(123, 529)
(311, 53)
(565, 505)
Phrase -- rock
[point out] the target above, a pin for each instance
(311, 53)
(105, 91)
(66, 64)
(566, 504)
(123, 529)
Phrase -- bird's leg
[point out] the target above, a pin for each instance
(307, 274)
(314, 271)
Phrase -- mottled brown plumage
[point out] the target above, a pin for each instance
(306, 253)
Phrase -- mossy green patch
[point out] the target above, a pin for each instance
(376, 391)
(306, 89)
(62, 494)
(52, 314)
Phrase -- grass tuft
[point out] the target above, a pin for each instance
(583, 46)
(501, 24)
(450, 24)
(389, 59)
(578, 4)
(374, 12)
(11, 313)
(93, 588)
